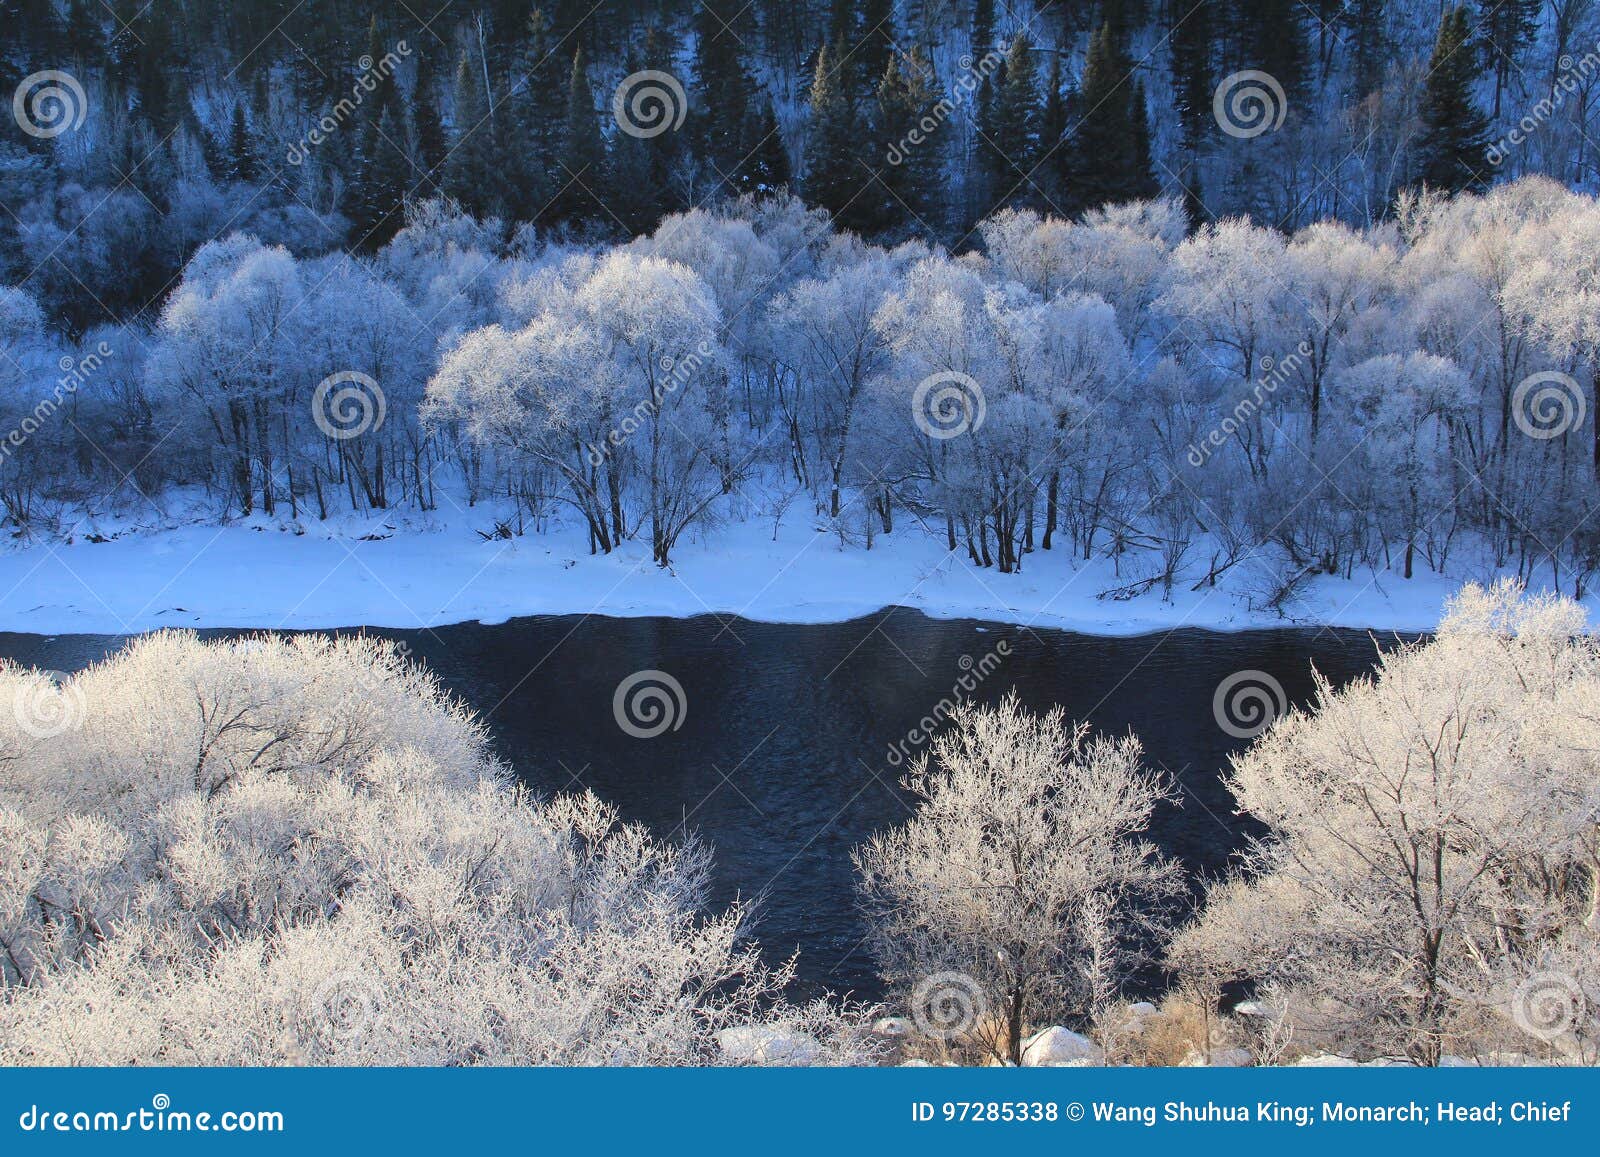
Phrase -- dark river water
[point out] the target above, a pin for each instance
(791, 739)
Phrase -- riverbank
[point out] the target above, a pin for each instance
(415, 571)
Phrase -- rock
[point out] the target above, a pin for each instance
(1231, 1059)
(1141, 1008)
(915, 1063)
(1057, 1046)
(1326, 1061)
(1256, 1008)
(750, 1044)
(894, 1027)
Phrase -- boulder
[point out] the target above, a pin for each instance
(1058, 1046)
(1231, 1059)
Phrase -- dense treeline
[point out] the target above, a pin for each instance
(1322, 402)
(147, 129)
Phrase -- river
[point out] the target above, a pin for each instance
(790, 740)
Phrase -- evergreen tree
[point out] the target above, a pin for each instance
(1369, 46)
(913, 173)
(84, 35)
(583, 150)
(1011, 137)
(150, 50)
(640, 167)
(725, 110)
(876, 44)
(769, 162)
(378, 211)
(834, 179)
(383, 175)
(1052, 133)
(535, 113)
(241, 160)
(982, 28)
(1194, 80)
(473, 160)
(1272, 38)
(1108, 159)
(1454, 132)
(431, 146)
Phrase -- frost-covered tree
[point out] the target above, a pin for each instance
(826, 337)
(227, 335)
(1022, 873)
(299, 851)
(1427, 880)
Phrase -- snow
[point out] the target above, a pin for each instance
(1059, 1046)
(756, 1045)
(405, 570)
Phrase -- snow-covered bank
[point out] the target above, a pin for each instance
(410, 572)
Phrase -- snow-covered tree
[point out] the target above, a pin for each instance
(1428, 877)
(1020, 890)
(300, 851)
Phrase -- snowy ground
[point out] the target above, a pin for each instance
(431, 570)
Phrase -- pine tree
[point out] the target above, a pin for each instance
(768, 167)
(1369, 46)
(1108, 159)
(1272, 37)
(906, 106)
(150, 49)
(473, 159)
(876, 44)
(583, 150)
(84, 37)
(431, 146)
(637, 187)
(535, 113)
(834, 180)
(383, 176)
(725, 109)
(1454, 132)
(381, 188)
(1011, 137)
(1052, 133)
(982, 28)
(241, 160)
(1193, 78)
